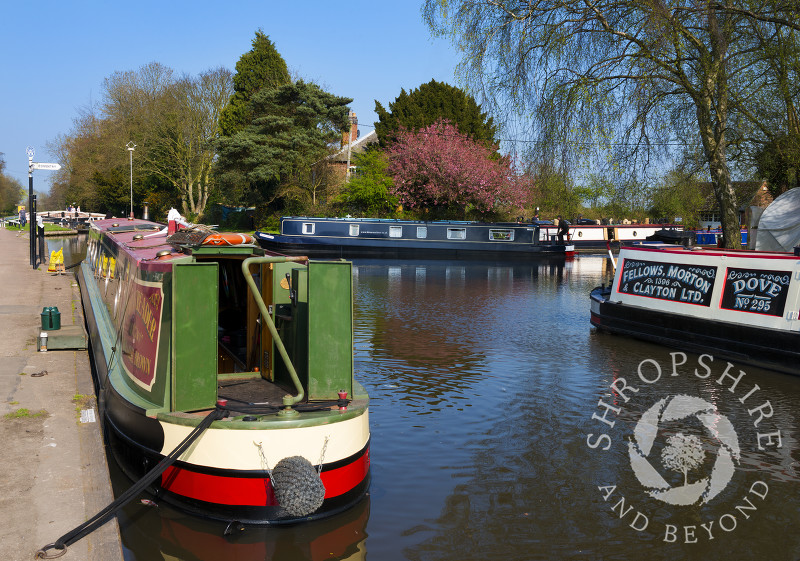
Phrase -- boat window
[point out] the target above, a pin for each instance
(505, 235)
(456, 233)
(395, 231)
(353, 229)
(308, 227)
(422, 231)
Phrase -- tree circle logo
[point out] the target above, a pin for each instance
(683, 453)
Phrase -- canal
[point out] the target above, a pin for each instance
(495, 435)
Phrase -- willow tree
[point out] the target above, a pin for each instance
(634, 76)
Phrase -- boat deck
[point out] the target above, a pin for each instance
(252, 391)
(255, 396)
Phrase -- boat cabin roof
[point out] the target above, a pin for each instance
(711, 252)
(144, 240)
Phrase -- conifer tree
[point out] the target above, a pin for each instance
(430, 103)
(260, 67)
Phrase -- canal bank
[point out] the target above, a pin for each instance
(55, 474)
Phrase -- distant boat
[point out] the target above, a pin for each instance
(713, 237)
(739, 305)
(197, 323)
(585, 235)
(411, 239)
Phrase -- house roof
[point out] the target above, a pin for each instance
(748, 193)
(356, 147)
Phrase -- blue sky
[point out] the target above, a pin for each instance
(56, 55)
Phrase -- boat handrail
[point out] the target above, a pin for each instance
(288, 400)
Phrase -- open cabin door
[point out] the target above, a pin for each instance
(194, 335)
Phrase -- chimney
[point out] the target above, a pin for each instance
(353, 130)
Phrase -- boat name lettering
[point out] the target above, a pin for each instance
(141, 362)
(755, 291)
(145, 307)
(142, 324)
(668, 281)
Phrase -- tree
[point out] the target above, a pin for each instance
(260, 67)
(369, 190)
(429, 103)
(294, 126)
(778, 161)
(682, 454)
(181, 151)
(174, 124)
(678, 195)
(628, 75)
(11, 192)
(445, 171)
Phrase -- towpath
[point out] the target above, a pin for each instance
(53, 470)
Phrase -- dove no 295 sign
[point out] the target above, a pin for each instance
(690, 284)
(756, 291)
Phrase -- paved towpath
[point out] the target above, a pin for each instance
(53, 470)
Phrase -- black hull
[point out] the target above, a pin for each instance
(754, 346)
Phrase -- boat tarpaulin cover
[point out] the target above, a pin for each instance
(779, 227)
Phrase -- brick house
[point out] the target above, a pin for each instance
(748, 193)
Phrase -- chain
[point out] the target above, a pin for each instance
(322, 456)
(264, 463)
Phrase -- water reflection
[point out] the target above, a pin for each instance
(159, 532)
(484, 379)
(538, 491)
(74, 248)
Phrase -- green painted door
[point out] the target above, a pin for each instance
(194, 336)
(330, 329)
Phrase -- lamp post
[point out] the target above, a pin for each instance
(353, 121)
(131, 147)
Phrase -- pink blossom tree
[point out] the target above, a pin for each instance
(442, 170)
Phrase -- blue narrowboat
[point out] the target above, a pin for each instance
(399, 239)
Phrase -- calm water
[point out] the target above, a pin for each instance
(484, 379)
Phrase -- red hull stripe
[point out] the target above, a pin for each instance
(255, 491)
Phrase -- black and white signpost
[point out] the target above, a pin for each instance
(31, 210)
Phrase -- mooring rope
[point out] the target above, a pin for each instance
(61, 544)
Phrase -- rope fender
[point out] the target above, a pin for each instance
(59, 547)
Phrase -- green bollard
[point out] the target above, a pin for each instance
(47, 323)
(55, 318)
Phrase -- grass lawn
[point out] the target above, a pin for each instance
(47, 227)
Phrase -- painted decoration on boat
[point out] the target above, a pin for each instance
(143, 320)
(756, 291)
(691, 284)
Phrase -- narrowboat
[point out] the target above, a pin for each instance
(739, 305)
(713, 237)
(598, 236)
(188, 324)
(399, 239)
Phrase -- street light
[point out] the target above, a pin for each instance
(353, 121)
(131, 147)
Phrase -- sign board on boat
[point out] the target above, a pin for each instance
(756, 291)
(690, 284)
